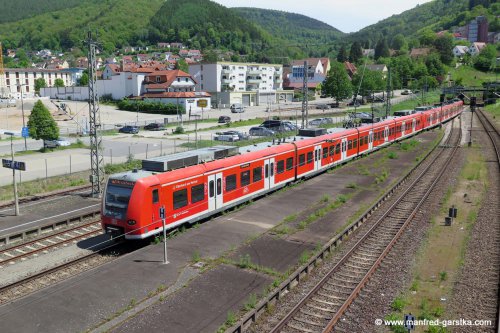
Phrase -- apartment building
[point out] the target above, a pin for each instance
(246, 83)
(24, 78)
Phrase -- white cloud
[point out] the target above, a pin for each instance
(345, 15)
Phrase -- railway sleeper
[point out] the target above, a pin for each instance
(332, 296)
(299, 328)
(319, 300)
(312, 314)
(319, 308)
(308, 322)
(348, 277)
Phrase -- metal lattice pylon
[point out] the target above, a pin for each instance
(305, 96)
(96, 156)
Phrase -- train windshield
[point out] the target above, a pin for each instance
(117, 198)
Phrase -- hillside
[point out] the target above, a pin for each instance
(14, 10)
(295, 28)
(66, 28)
(436, 15)
(202, 24)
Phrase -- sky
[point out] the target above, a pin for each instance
(345, 15)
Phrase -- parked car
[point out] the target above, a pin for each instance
(322, 106)
(237, 108)
(226, 136)
(261, 131)
(241, 135)
(129, 129)
(406, 92)
(224, 119)
(289, 126)
(154, 127)
(403, 113)
(56, 143)
(354, 103)
(320, 121)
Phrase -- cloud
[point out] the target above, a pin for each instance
(345, 15)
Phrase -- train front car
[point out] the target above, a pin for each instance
(118, 218)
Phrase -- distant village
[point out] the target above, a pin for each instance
(173, 73)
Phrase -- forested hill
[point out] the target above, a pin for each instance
(203, 23)
(14, 10)
(295, 28)
(435, 16)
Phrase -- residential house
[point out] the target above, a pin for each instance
(494, 37)
(110, 61)
(57, 64)
(82, 62)
(128, 49)
(244, 83)
(476, 48)
(420, 52)
(143, 57)
(176, 45)
(194, 53)
(316, 73)
(176, 87)
(350, 68)
(378, 68)
(162, 45)
(370, 53)
(44, 54)
(184, 53)
(110, 70)
(460, 50)
(11, 53)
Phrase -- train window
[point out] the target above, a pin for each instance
(272, 169)
(349, 145)
(245, 178)
(302, 159)
(325, 152)
(315, 154)
(289, 163)
(366, 140)
(230, 183)
(355, 143)
(267, 170)
(156, 196)
(211, 189)
(332, 150)
(257, 174)
(280, 167)
(309, 157)
(219, 186)
(180, 198)
(337, 148)
(197, 193)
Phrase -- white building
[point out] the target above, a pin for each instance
(475, 48)
(17, 78)
(460, 50)
(245, 83)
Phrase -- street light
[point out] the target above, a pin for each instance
(22, 110)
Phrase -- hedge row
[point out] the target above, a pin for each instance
(150, 107)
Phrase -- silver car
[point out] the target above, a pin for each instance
(261, 131)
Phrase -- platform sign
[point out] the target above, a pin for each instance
(162, 212)
(16, 165)
(25, 132)
(202, 103)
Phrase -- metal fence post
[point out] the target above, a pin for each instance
(147, 148)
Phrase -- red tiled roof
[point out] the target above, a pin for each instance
(180, 94)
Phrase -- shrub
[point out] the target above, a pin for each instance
(150, 107)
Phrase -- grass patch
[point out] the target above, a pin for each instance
(122, 167)
(382, 176)
(352, 185)
(469, 76)
(392, 155)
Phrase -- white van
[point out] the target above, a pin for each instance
(237, 108)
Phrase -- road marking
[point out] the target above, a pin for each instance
(46, 218)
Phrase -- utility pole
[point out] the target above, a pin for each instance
(96, 156)
(305, 99)
(388, 91)
(16, 198)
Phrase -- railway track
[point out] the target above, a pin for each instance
(323, 307)
(53, 241)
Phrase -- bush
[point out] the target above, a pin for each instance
(150, 107)
(179, 130)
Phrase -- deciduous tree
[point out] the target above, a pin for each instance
(40, 83)
(59, 83)
(337, 83)
(41, 124)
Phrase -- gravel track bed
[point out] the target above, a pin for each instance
(268, 321)
(52, 278)
(475, 294)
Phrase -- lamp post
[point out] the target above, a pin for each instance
(16, 199)
(22, 110)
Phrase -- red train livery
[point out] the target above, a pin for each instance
(203, 185)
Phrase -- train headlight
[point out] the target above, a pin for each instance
(131, 222)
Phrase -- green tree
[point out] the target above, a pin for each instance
(399, 42)
(337, 83)
(41, 124)
(370, 81)
(84, 79)
(434, 65)
(59, 83)
(356, 52)
(40, 83)
(182, 65)
(444, 46)
(342, 56)
(382, 49)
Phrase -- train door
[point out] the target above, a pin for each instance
(317, 157)
(344, 148)
(414, 125)
(215, 191)
(386, 134)
(403, 128)
(155, 213)
(370, 140)
(269, 173)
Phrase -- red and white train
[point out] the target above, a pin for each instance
(132, 201)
